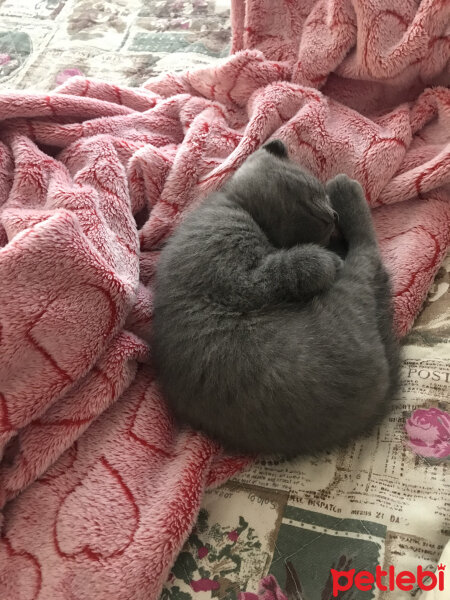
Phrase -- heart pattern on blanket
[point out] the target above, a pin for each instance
(27, 583)
(59, 331)
(151, 421)
(97, 530)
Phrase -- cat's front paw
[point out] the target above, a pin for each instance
(331, 266)
(348, 200)
(345, 192)
(338, 263)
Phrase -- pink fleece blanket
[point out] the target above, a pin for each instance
(99, 489)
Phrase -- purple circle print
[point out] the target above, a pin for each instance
(62, 76)
(428, 431)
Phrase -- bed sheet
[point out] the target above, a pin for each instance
(377, 502)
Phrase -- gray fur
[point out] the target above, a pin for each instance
(263, 338)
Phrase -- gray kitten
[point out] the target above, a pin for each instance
(263, 338)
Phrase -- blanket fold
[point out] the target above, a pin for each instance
(98, 487)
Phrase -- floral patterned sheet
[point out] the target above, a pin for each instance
(42, 42)
(384, 500)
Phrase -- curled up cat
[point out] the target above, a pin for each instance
(264, 338)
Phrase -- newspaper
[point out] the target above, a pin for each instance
(436, 594)
(376, 503)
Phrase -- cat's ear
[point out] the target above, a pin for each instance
(277, 148)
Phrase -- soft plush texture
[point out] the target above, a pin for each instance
(99, 488)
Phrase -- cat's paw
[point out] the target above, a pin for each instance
(338, 262)
(335, 264)
(348, 200)
(345, 192)
(331, 265)
(315, 268)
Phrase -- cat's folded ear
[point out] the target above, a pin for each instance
(277, 148)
